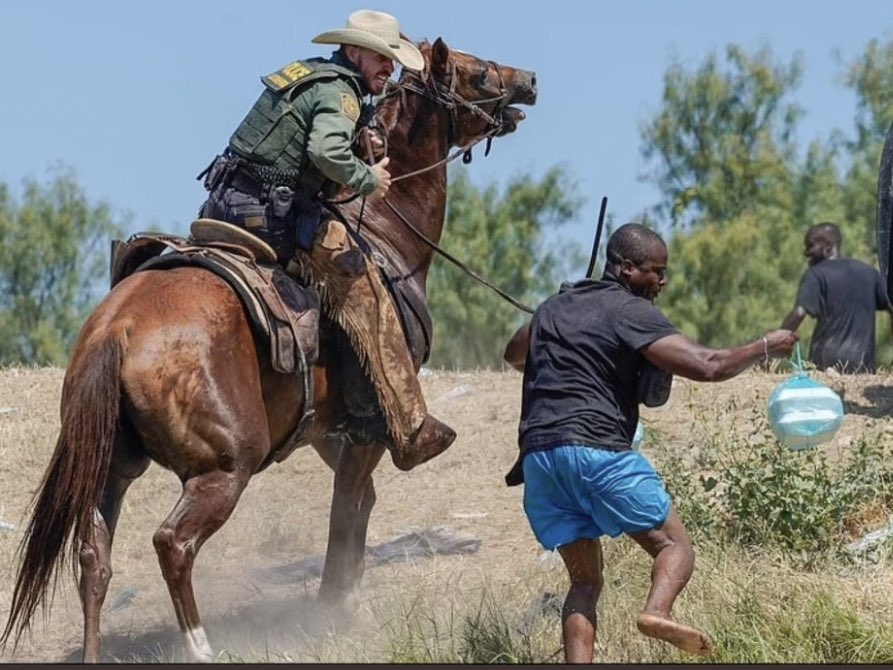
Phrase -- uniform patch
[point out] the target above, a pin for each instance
(350, 107)
(287, 76)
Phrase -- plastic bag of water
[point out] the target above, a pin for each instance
(804, 412)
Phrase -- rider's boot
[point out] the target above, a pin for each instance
(432, 438)
(362, 306)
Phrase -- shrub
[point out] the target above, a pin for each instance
(754, 491)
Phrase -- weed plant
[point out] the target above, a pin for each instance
(751, 490)
(755, 607)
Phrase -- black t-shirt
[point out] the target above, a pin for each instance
(842, 295)
(583, 366)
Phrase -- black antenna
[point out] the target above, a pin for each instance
(598, 236)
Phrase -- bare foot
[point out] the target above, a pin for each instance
(686, 638)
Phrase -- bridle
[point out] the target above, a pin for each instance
(445, 95)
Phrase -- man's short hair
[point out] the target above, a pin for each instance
(827, 232)
(632, 242)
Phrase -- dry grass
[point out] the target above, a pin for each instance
(283, 516)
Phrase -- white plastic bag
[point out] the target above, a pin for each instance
(804, 412)
(638, 436)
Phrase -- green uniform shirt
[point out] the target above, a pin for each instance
(306, 120)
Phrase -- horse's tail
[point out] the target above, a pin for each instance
(73, 482)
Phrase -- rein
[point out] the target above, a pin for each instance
(446, 96)
(466, 158)
(455, 261)
(465, 152)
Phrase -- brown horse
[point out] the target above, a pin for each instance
(167, 369)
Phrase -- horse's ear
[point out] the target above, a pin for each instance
(440, 54)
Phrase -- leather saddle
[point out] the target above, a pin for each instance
(284, 314)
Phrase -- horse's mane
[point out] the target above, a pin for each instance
(392, 101)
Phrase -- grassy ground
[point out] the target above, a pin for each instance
(772, 582)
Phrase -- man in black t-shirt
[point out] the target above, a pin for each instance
(842, 295)
(591, 353)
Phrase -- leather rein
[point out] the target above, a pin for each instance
(446, 96)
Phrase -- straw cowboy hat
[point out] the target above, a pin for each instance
(377, 31)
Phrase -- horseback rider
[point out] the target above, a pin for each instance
(294, 149)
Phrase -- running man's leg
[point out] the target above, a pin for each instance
(585, 566)
(674, 560)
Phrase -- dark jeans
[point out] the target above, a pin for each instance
(240, 209)
(363, 418)
(278, 215)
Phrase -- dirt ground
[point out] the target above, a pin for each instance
(283, 515)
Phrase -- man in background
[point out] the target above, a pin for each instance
(842, 295)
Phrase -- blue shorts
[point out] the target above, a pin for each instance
(573, 493)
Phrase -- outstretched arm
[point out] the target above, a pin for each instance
(794, 318)
(516, 350)
(687, 358)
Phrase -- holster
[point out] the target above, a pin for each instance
(308, 213)
(219, 172)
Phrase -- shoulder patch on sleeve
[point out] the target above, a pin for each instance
(350, 107)
(291, 73)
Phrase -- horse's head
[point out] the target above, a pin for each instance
(478, 94)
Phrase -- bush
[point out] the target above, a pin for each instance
(755, 492)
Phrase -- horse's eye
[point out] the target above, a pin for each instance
(483, 76)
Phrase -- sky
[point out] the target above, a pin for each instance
(138, 97)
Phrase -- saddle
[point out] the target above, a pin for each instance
(284, 315)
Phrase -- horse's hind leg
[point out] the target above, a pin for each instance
(205, 504)
(94, 555)
(352, 501)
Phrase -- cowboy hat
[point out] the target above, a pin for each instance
(377, 31)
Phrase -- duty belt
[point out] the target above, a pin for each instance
(270, 176)
(244, 181)
(256, 180)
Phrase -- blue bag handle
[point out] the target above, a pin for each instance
(797, 362)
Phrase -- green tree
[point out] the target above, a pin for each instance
(722, 136)
(54, 251)
(733, 281)
(870, 75)
(504, 237)
(737, 194)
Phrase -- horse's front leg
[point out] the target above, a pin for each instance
(352, 501)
